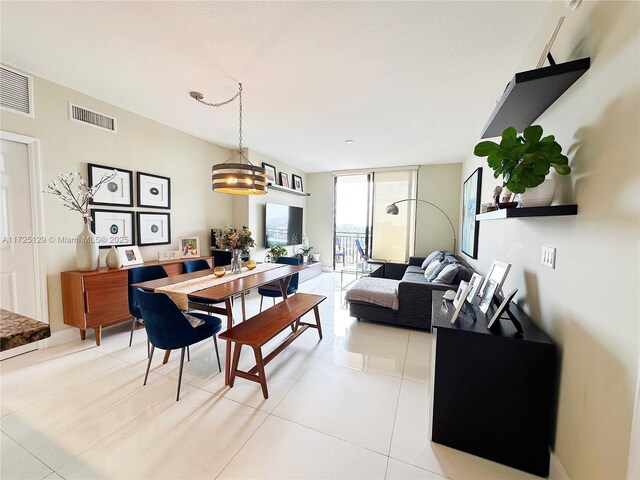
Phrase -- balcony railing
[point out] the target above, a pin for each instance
(346, 250)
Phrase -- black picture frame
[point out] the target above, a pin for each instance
(108, 238)
(271, 173)
(161, 185)
(105, 196)
(147, 237)
(471, 190)
(296, 179)
(284, 179)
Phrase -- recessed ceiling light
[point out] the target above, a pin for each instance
(348, 141)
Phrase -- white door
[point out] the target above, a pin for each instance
(17, 257)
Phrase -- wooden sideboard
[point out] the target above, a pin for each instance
(101, 298)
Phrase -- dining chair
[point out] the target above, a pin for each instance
(273, 290)
(196, 265)
(363, 256)
(169, 329)
(339, 254)
(137, 275)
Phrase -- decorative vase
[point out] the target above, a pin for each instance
(540, 196)
(219, 271)
(305, 258)
(113, 259)
(87, 254)
(236, 261)
(315, 257)
(251, 264)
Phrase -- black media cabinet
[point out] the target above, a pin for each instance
(492, 392)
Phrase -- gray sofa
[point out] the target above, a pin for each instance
(413, 290)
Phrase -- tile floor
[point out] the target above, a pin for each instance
(353, 405)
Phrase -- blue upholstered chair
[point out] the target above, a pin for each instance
(196, 265)
(168, 328)
(339, 253)
(363, 256)
(137, 275)
(273, 290)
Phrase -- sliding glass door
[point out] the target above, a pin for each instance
(352, 218)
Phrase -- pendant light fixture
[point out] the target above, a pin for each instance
(237, 175)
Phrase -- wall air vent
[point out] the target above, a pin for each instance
(16, 91)
(92, 118)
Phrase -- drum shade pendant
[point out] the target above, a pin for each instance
(237, 175)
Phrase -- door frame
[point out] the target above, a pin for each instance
(35, 182)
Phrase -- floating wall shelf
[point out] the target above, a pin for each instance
(530, 93)
(552, 211)
(280, 188)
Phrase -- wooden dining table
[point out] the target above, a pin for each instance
(224, 292)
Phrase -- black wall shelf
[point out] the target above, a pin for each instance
(280, 188)
(530, 93)
(552, 211)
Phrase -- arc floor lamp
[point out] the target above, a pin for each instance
(393, 210)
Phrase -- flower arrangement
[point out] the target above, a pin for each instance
(232, 239)
(73, 191)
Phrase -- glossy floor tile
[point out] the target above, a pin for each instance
(352, 405)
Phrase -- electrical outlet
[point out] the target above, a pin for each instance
(548, 256)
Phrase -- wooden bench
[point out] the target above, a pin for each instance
(258, 330)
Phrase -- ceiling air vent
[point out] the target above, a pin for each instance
(92, 118)
(16, 91)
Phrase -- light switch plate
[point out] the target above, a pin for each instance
(548, 256)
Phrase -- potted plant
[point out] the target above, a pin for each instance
(274, 252)
(524, 161)
(305, 250)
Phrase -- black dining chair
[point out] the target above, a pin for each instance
(169, 329)
(273, 290)
(196, 265)
(137, 275)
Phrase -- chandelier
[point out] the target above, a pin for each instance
(237, 175)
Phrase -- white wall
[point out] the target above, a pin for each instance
(320, 215)
(139, 145)
(441, 185)
(589, 304)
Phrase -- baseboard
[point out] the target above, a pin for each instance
(60, 337)
(556, 470)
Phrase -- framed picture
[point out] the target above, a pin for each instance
(154, 191)
(471, 206)
(461, 294)
(130, 255)
(117, 192)
(497, 273)
(503, 306)
(297, 182)
(189, 246)
(487, 296)
(271, 173)
(475, 282)
(284, 179)
(153, 228)
(112, 228)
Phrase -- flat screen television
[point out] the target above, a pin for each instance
(282, 225)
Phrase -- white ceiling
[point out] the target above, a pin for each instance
(410, 82)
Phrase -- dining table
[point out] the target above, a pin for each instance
(224, 293)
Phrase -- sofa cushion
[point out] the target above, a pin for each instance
(431, 268)
(437, 255)
(414, 277)
(378, 291)
(436, 271)
(464, 274)
(447, 274)
(414, 269)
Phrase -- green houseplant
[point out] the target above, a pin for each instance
(523, 160)
(276, 251)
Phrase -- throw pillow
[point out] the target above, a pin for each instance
(437, 255)
(430, 269)
(436, 272)
(447, 274)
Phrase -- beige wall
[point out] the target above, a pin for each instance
(441, 185)
(139, 145)
(589, 303)
(320, 215)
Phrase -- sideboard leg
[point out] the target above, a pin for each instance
(98, 331)
(83, 334)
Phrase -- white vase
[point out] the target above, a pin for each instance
(305, 258)
(87, 254)
(315, 257)
(113, 259)
(540, 196)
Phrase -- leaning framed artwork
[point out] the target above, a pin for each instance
(130, 255)
(153, 228)
(284, 179)
(154, 191)
(117, 192)
(112, 227)
(189, 246)
(471, 205)
(297, 182)
(271, 173)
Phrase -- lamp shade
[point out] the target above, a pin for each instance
(238, 179)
